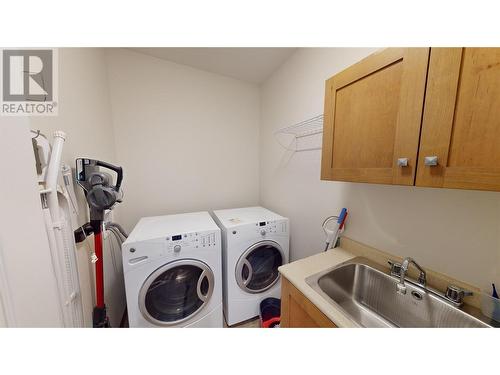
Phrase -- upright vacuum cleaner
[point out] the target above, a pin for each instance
(101, 195)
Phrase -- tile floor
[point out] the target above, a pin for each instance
(251, 323)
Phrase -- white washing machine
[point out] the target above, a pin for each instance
(173, 272)
(255, 242)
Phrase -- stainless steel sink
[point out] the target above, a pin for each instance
(368, 295)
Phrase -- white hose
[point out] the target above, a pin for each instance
(53, 253)
(56, 226)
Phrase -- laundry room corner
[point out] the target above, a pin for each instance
(196, 131)
(85, 116)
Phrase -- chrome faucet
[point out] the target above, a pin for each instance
(422, 279)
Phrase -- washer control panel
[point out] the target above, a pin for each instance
(269, 227)
(192, 240)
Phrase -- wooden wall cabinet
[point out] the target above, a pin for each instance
(461, 123)
(386, 114)
(373, 112)
(298, 312)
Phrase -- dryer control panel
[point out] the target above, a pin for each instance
(192, 240)
(271, 227)
(136, 254)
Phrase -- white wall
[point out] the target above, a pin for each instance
(28, 289)
(188, 140)
(85, 116)
(452, 231)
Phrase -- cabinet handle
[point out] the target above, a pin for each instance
(402, 162)
(431, 161)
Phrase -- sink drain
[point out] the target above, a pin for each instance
(416, 295)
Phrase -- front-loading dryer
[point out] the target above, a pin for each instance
(255, 242)
(173, 273)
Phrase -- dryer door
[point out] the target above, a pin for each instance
(257, 268)
(176, 292)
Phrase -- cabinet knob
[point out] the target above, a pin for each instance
(431, 161)
(402, 162)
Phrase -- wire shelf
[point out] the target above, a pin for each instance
(300, 130)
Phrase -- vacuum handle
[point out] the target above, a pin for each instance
(118, 170)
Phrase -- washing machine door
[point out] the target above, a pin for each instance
(257, 268)
(176, 292)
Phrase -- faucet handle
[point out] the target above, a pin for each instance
(395, 268)
(456, 294)
(422, 279)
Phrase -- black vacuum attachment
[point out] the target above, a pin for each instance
(100, 193)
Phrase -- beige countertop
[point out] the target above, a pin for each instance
(297, 272)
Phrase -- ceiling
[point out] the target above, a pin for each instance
(253, 65)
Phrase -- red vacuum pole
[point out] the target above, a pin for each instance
(101, 195)
(99, 271)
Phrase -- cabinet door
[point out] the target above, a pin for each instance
(298, 312)
(373, 113)
(461, 122)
